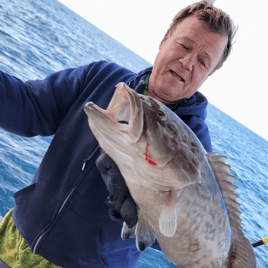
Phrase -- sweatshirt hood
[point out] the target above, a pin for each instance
(195, 105)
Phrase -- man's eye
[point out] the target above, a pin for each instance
(185, 47)
(202, 62)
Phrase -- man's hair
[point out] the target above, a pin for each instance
(217, 21)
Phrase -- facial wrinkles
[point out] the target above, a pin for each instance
(214, 47)
(203, 41)
(202, 46)
(177, 67)
(200, 52)
(208, 56)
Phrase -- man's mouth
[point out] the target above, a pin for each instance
(180, 78)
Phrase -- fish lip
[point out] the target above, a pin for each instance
(124, 113)
(119, 110)
(90, 106)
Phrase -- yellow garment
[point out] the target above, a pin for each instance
(15, 251)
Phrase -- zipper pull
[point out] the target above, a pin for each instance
(141, 82)
(84, 164)
(87, 159)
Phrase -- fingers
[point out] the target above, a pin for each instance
(122, 207)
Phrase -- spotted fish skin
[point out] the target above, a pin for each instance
(185, 196)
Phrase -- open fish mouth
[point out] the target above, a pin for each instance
(119, 109)
(125, 112)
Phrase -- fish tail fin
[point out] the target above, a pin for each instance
(241, 254)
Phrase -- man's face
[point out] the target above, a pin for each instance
(185, 60)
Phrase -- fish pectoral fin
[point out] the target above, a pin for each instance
(168, 215)
(127, 232)
(145, 235)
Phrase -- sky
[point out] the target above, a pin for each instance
(239, 88)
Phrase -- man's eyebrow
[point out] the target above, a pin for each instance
(190, 42)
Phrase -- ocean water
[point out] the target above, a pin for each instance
(41, 37)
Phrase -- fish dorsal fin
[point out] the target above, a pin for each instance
(241, 254)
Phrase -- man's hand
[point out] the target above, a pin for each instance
(122, 208)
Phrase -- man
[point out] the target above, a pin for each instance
(62, 215)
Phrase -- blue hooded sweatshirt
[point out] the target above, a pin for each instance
(63, 215)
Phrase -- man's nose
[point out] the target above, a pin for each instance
(187, 61)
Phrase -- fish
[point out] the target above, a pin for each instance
(185, 196)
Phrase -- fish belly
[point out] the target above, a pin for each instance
(202, 238)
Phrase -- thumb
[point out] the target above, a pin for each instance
(103, 163)
(129, 212)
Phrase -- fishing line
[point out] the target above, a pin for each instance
(260, 242)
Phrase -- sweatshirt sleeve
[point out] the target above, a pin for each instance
(199, 127)
(201, 131)
(38, 107)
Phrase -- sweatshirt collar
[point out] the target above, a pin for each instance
(139, 84)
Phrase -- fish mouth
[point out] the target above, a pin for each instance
(118, 110)
(123, 112)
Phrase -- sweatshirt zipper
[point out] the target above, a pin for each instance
(141, 82)
(88, 158)
(67, 198)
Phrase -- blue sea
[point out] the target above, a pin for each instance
(40, 37)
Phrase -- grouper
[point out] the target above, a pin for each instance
(185, 196)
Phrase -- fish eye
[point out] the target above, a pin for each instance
(161, 114)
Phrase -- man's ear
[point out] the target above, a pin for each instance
(164, 39)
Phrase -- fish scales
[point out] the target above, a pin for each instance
(185, 196)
